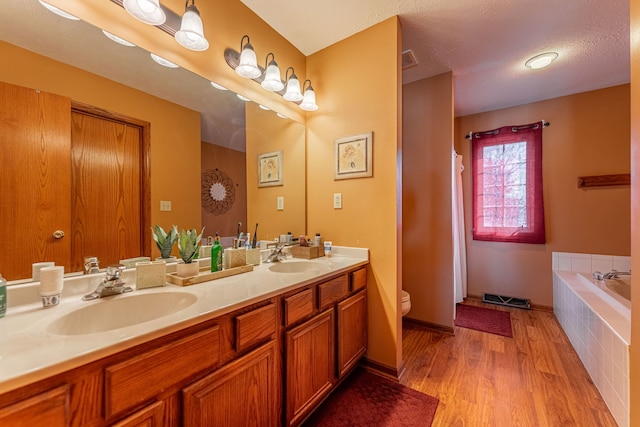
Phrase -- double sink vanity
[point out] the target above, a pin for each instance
(260, 348)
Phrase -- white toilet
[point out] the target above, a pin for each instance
(406, 302)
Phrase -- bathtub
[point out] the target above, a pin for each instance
(596, 317)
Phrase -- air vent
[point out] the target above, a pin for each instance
(408, 59)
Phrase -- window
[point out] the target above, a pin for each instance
(507, 184)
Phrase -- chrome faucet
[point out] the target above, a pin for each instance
(276, 255)
(613, 274)
(91, 265)
(110, 285)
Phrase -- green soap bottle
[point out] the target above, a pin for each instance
(216, 254)
(3, 296)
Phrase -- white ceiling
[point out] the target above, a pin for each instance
(485, 43)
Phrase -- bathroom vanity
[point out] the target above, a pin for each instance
(262, 348)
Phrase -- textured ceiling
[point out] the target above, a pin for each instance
(485, 43)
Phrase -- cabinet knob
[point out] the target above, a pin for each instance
(58, 234)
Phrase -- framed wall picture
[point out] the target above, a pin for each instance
(353, 156)
(270, 169)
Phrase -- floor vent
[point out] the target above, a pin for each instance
(508, 301)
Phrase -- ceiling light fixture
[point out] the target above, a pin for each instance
(191, 33)
(59, 12)
(309, 100)
(242, 98)
(292, 93)
(160, 60)
(264, 107)
(248, 66)
(541, 61)
(282, 116)
(147, 11)
(272, 80)
(217, 86)
(117, 39)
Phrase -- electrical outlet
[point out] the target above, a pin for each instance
(165, 205)
(280, 203)
(337, 200)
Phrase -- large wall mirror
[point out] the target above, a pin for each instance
(227, 124)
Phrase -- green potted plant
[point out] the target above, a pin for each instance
(165, 241)
(189, 246)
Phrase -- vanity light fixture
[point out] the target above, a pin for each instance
(58, 12)
(191, 33)
(248, 66)
(292, 93)
(282, 116)
(309, 100)
(160, 60)
(242, 98)
(147, 11)
(117, 39)
(541, 61)
(272, 79)
(217, 86)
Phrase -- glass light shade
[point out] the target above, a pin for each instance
(272, 79)
(160, 60)
(264, 107)
(309, 101)
(293, 93)
(191, 33)
(117, 39)
(242, 98)
(541, 61)
(147, 11)
(59, 12)
(248, 66)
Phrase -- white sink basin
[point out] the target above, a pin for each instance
(296, 267)
(119, 312)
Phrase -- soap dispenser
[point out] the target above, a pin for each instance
(3, 296)
(216, 254)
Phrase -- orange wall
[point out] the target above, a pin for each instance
(225, 22)
(634, 361)
(426, 193)
(232, 163)
(267, 133)
(357, 84)
(172, 177)
(589, 135)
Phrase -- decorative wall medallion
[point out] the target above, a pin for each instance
(218, 192)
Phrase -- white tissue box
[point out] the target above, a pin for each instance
(150, 274)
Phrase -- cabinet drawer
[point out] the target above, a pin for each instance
(137, 380)
(332, 291)
(255, 326)
(358, 279)
(50, 408)
(298, 307)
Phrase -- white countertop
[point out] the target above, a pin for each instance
(28, 352)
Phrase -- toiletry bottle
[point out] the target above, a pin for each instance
(3, 296)
(318, 240)
(216, 254)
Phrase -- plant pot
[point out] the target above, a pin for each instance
(188, 270)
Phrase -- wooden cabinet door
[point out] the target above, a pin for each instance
(352, 331)
(310, 364)
(34, 179)
(243, 393)
(48, 409)
(150, 416)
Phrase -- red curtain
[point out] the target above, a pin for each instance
(507, 184)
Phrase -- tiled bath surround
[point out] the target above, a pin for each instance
(599, 333)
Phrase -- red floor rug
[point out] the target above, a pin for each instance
(484, 319)
(366, 399)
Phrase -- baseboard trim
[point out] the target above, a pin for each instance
(382, 369)
(428, 325)
(538, 307)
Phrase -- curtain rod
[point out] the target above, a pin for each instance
(544, 124)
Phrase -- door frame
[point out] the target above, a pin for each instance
(145, 166)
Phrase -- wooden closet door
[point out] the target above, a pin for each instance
(34, 179)
(106, 197)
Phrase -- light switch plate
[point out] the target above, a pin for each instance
(280, 203)
(337, 200)
(165, 205)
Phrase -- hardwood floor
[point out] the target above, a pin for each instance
(481, 379)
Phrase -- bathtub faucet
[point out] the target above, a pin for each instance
(613, 274)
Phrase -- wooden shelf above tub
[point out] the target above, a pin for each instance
(604, 180)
